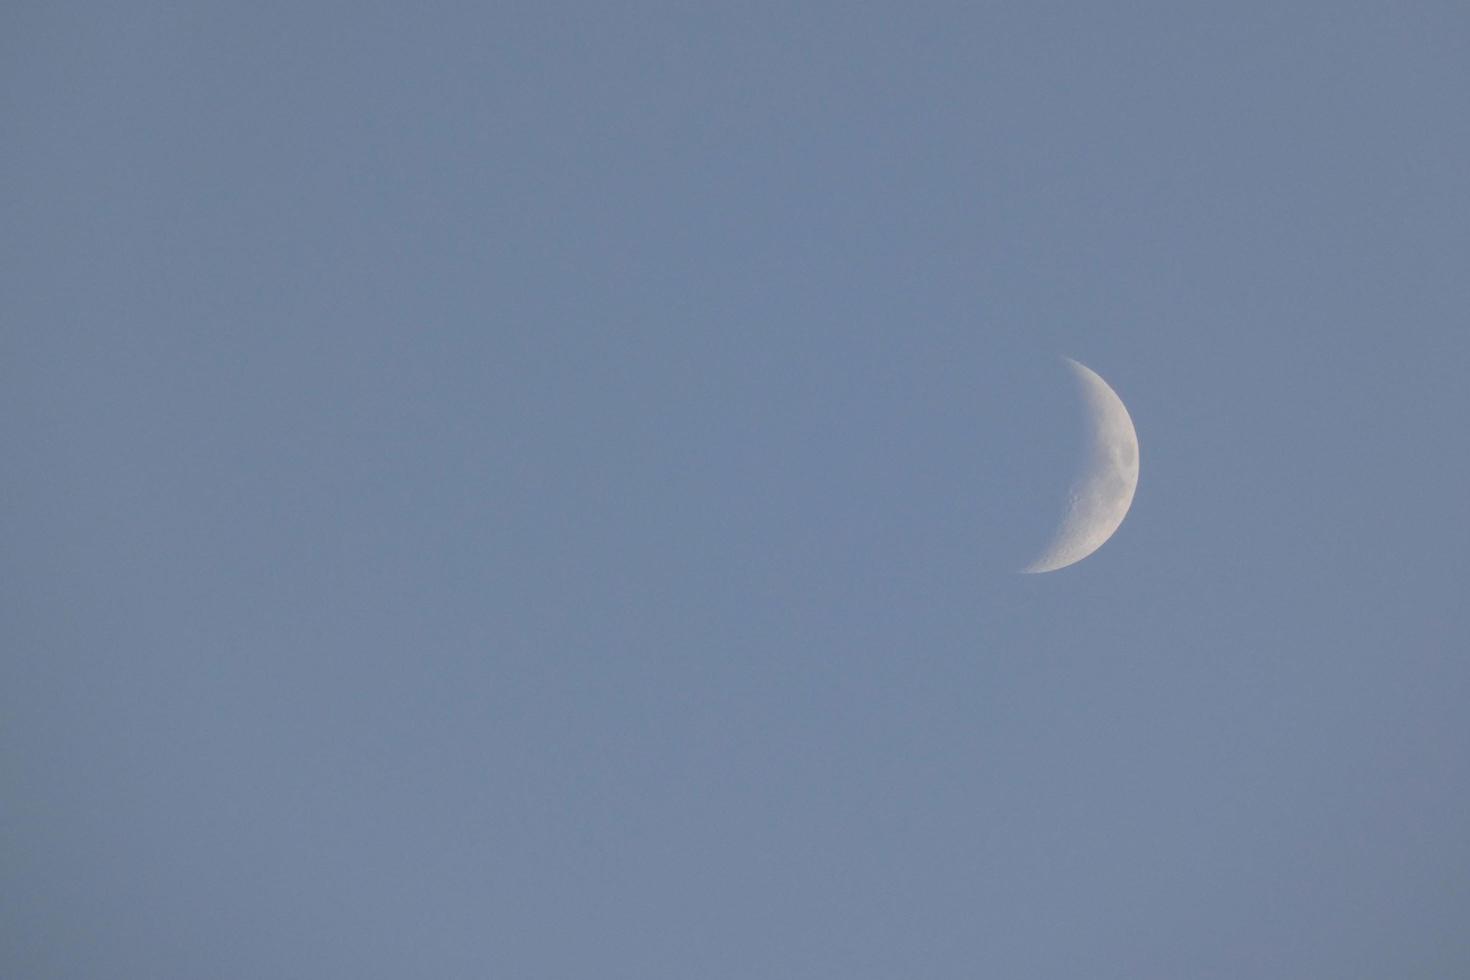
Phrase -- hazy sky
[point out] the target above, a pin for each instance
(532, 490)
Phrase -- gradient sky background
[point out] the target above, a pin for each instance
(532, 490)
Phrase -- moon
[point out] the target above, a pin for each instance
(1101, 496)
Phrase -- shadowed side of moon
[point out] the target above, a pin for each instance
(1101, 495)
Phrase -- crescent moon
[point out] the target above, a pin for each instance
(1101, 496)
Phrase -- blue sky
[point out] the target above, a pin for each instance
(533, 490)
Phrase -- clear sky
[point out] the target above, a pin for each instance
(532, 490)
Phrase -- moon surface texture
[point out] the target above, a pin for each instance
(1101, 496)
